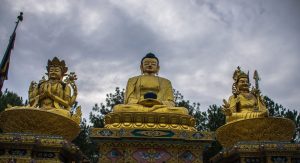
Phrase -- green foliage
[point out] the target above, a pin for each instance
(215, 117)
(98, 112)
(193, 109)
(84, 142)
(275, 110)
(10, 98)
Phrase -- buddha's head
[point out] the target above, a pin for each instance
(56, 69)
(241, 81)
(150, 64)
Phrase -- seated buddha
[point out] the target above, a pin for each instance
(243, 104)
(149, 92)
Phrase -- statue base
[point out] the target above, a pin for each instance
(259, 152)
(26, 148)
(150, 145)
(255, 129)
(38, 121)
(150, 120)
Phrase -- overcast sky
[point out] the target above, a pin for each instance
(199, 43)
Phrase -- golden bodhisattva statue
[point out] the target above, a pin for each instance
(244, 104)
(149, 103)
(50, 106)
(54, 93)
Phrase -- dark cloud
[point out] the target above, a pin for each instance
(199, 44)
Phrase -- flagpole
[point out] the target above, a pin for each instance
(6, 57)
(20, 18)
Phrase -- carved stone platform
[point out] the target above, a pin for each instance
(259, 152)
(150, 145)
(148, 120)
(32, 148)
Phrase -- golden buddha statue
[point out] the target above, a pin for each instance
(244, 104)
(149, 92)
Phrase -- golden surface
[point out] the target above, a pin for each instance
(259, 151)
(50, 102)
(54, 93)
(32, 120)
(149, 82)
(131, 120)
(244, 104)
(256, 129)
(37, 148)
(149, 103)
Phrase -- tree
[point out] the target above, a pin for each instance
(98, 112)
(10, 98)
(84, 142)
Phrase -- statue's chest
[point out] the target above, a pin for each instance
(54, 88)
(247, 100)
(149, 83)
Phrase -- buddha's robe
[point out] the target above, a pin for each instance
(139, 85)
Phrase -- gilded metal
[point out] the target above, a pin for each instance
(247, 117)
(130, 120)
(244, 104)
(148, 127)
(256, 129)
(260, 151)
(149, 103)
(149, 82)
(50, 103)
(22, 147)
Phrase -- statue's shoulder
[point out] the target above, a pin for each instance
(134, 79)
(165, 80)
(232, 97)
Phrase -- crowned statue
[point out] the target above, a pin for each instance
(149, 92)
(244, 104)
(247, 118)
(51, 109)
(54, 93)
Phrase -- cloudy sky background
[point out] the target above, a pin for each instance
(199, 44)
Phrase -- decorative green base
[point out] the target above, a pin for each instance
(20, 147)
(260, 152)
(150, 145)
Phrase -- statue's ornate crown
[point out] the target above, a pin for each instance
(57, 63)
(238, 73)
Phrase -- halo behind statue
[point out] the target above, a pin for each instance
(256, 129)
(36, 121)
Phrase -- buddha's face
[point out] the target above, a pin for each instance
(55, 73)
(243, 84)
(150, 66)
